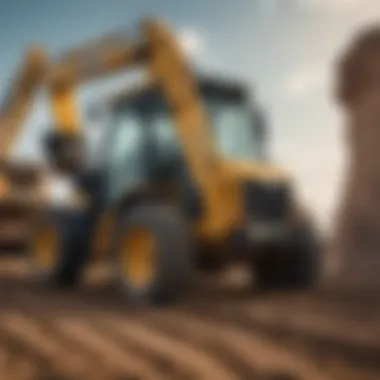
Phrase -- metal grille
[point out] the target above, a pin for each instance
(267, 202)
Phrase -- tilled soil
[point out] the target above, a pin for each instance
(219, 331)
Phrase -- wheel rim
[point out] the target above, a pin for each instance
(45, 248)
(138, 258)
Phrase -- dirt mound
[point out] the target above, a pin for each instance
(212, 334)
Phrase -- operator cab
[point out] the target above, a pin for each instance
(238, 125)
(142, 141)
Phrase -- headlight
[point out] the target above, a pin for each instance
(60, 191)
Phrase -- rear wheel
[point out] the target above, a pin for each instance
(210, 260)
(58, 247)
(154, 255)
(294, 264)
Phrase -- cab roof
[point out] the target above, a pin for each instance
(148, 97)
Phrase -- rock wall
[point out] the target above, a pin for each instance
(358, 231)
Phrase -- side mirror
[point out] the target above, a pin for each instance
(260, 130)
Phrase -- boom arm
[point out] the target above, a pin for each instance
(19, 97)
(80, 67)
(218, 187)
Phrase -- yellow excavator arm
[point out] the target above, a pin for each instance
(158, 51)
(19, 97)
(80, 65)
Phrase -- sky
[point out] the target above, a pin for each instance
(285, 50)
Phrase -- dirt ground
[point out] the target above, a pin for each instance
(222, 331)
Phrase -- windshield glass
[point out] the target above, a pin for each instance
(235, 128)
(142, 146)
(125, 154)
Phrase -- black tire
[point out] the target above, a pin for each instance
(210, 259)
(71, 251)
(292, 265)
(173, 253)
(209, 262)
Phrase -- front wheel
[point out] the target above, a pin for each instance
(153, 253)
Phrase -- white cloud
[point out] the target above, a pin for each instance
(305, 81)
(191, 42)
(316, 161)
(331, 5)
(269, 7)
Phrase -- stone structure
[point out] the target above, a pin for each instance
(358, 232)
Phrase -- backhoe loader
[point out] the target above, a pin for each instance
(184, 180)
